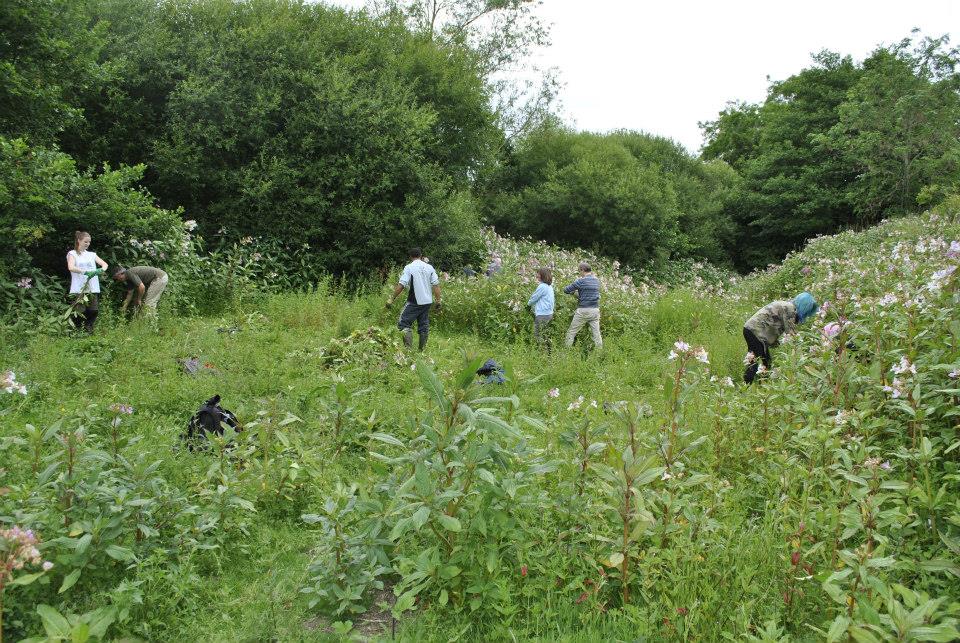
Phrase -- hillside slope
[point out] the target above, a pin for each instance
(595, 495)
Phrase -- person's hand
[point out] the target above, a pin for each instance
(90, 274)
(388, 304)
(437, 306)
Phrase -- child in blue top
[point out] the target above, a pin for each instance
(542, 302)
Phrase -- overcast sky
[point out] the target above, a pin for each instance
(663, 66)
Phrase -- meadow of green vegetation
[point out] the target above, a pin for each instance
(633, 493)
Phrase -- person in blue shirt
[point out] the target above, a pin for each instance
(542, 301)
(587, 288)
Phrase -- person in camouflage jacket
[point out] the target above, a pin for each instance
(764, 329)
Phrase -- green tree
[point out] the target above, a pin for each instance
(44, 199)
(900, 127)
(794, 185)
(48, 60)
(297, 121)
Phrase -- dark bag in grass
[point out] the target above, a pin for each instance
(209, 418)
(492, 373)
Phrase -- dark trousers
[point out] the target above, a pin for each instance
(84, 312)
(761, 353)
(419, 313)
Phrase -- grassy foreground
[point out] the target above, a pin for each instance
(823, 502)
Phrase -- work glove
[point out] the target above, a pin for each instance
(90, 274)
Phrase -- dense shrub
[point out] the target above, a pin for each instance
(638, 198)
(297, 122)
(44, 199)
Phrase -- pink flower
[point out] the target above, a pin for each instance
(904, 367)
(831, 330)
(749, 358)
(554, 393)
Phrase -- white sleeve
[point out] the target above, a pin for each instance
(405, 277)
(434, 279)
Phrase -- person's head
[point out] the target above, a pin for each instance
(584, 267)
(81, 240)
(415, 252)
(119, 273)
(545, 275)
(806, 306)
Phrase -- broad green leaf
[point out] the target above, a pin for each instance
(432, 385)
(450, 523)
(83, 543)
(942, 633)
(615, 559)
(69, 581)
(290, 419)
(386, 438)
(400, 528)
(894, 485)
(940, 565)
(420, 517)
(54, 623)
(838, 628)
(80, 633)
(120, 553)
(26, 579)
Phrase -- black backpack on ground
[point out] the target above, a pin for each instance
(209, 418)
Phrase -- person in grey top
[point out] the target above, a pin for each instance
(587, 288)
(424, 290)
(144, 285)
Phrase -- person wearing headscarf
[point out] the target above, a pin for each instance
(764, 330)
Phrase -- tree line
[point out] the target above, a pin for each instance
(355, 134)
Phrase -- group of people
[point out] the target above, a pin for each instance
(761, 332)
(144, 284)
(423, 293)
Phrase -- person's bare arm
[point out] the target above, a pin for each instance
(140, 290)
(126, 301)
(436, 295)
(396, 291)
(72, 265)
(103, 264)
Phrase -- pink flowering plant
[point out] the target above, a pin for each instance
(19, 553)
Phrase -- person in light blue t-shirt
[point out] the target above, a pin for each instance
(542, 302)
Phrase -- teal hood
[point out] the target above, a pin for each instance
(806, 306)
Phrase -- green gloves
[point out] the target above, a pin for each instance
(90, 274)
